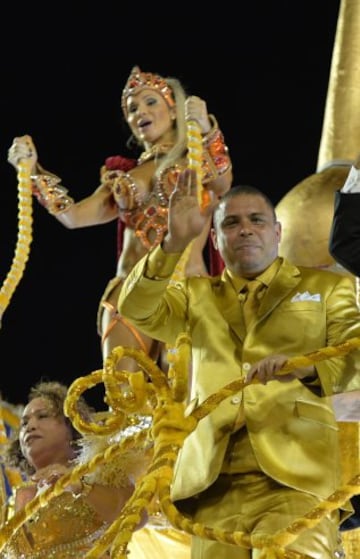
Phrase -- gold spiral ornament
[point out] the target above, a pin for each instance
(24, 239)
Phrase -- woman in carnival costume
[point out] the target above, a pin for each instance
(136, 192)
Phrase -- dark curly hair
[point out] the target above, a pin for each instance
(55, 392)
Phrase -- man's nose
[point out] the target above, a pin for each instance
(245, 230)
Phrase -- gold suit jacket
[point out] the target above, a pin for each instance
(293, 431)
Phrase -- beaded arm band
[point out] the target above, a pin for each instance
(216, 160)
(51, 194)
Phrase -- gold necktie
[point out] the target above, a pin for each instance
(251, 302)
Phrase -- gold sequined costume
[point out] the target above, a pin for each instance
(67, 527)
(64, 529)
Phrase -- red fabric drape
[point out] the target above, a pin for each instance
(119, 163)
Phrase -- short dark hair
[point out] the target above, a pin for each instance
(245, 189)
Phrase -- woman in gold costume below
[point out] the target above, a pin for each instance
(137, 191)
(46, 448)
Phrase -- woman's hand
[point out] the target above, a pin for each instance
(186, 219)
(23, 148)
(195, 109)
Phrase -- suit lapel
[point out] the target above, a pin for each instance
(287, 278)
(228, 302)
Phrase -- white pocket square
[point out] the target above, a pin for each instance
(306, 296)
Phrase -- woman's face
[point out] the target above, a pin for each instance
(149, 116)
(45, 437)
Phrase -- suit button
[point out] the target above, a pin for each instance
(246, 366)
(236, 400)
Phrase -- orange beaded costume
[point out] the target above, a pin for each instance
(146, 211)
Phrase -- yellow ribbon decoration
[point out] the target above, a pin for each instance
(24, 240)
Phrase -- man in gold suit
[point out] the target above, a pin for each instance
(269, 454)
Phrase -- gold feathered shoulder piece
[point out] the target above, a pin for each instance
(126, 452)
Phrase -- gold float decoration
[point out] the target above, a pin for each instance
(170, 427)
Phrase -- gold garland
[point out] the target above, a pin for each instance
(170, 427)
(24, 237)
(195, 147)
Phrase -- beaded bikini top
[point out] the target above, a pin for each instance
(146, 209)
(147, 213)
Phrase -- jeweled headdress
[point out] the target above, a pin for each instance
(139, 80)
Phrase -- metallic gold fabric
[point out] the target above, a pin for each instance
(240, 501)
(165, 543)
(310, 467)
(65, 529)
(350, 452)
(251, 302)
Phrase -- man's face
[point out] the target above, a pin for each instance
(246, 234)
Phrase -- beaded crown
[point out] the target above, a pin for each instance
(140, 80)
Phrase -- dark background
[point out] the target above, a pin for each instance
(263, 68)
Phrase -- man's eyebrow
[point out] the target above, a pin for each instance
(251, 214)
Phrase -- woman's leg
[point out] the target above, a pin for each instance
(116, 331)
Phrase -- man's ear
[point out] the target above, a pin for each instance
(214, 238)
(278, 230)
